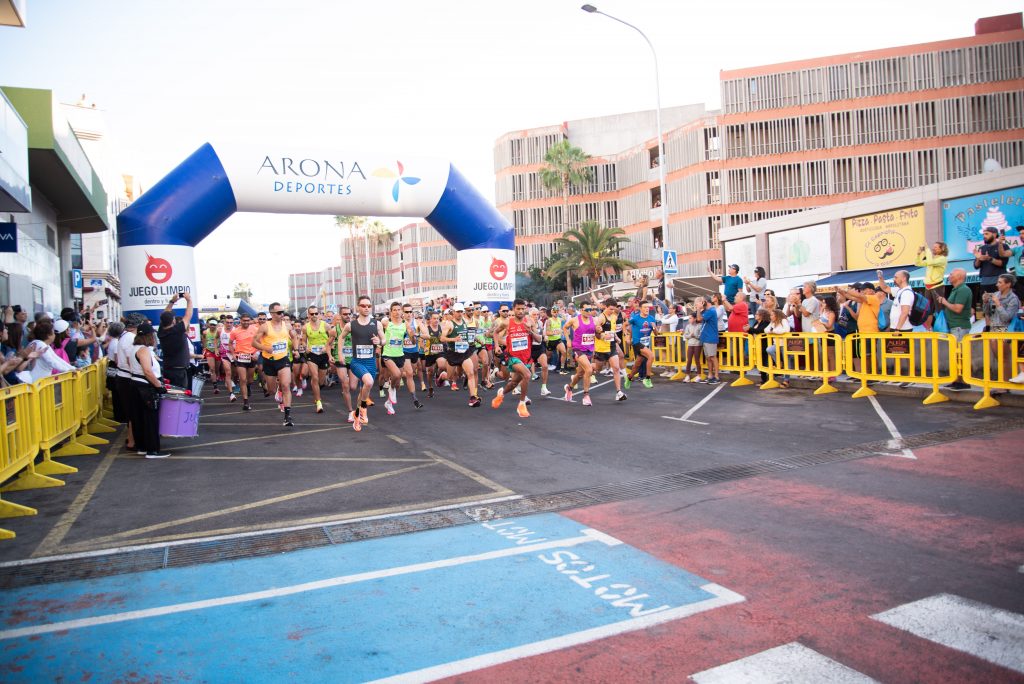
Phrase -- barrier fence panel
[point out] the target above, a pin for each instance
(87, 394)
(736, 355)
(102, 420)
(998, 356)
(810, 355)
(927, 358)
(61, 394)
(670, 352)
(20, 432)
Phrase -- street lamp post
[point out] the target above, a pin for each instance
(657, 117)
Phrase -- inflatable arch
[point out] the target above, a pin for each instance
(158, 232)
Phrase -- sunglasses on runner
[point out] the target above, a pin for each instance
(276, 313)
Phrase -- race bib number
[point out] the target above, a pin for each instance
(587, 339)
(395, 341)
(364, 351)
(608, 336)
(316, 349)
(436, 349)
(243, 358)
(646, 341)
(407, 342)
(279, 348)
(461, 347)
(225, 339)
(347, 351)
(520, 344)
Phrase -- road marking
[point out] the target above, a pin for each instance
(789, 663)
(176, 449)
(381, 459)
(722, 597)
(253, 505)
(896, 443)
(988, 633)
(398, 439)
(578, 390)
(686, 416)
(586, 536)
(56, 535)
(471, 474)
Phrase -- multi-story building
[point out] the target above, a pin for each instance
(789, 137)
(412, 263)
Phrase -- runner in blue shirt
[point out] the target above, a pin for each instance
(709, 338)
(642, 325)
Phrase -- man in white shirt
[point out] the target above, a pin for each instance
(810, 308)
(903, 301)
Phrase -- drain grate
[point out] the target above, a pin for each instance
(261, 544)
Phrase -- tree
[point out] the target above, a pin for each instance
(242, 291)
(589, 250)
(354, 224)
(565, 165)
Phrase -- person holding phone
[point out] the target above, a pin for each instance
(990, 258)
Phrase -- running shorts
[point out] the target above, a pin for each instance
(603, 356)
(455, 359)
(341, 363)
(552, 345)
(363, 367)
(271, 367)
(637, 347)
(320, 360)
(537, 351)
(589, 353)
(431, 359)
(298, 358)
(243, 361)
(511, 361)
(414, 357)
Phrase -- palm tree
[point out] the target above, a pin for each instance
(589, 250)
(565, 165)
(355, 225)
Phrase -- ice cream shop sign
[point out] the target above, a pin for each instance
(963, 219)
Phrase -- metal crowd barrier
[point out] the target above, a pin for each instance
(926, 358)
(20, 444)
(736, 355)
(1000, 357)
(809, 355)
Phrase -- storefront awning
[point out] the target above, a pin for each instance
(917, 275)
(843, 278)
(686, 289)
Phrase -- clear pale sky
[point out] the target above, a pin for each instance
(443, 78)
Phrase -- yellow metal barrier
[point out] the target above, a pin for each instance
(1000, 356)
(90, 384)
(106, 414)
(736, 355)
(810, 355)
(61, 393)
(927, 358)
(669, 350)
(20, 444)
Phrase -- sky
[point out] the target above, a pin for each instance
(440, 79)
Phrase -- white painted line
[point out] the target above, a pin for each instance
(723, 597)
(606, 539)
(256, 533)
(696, 422)
(686, 416)
(789, 663)
(276, 592)
(988, 633)
(896, 443)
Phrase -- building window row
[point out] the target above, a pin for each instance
(531, 150)
(884, 76)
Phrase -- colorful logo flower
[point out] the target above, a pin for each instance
(388, 173)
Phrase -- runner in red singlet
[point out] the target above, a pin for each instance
(512, 341)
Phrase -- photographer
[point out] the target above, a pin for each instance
(990, 258)
(934, 262)
(145, 372)
(174, 343)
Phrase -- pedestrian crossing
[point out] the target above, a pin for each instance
(972, 628)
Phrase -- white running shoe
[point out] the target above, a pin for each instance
(298, 392)
(351, 416)
(517, 390)
(526, 400)
(586, 400)
(233, 398)
(389, 407)
(568, 393)
(620, 396)
(304, 385)
(1018, 379)
(544, 391)
(392, 395)
(277, 397)
(552, 367)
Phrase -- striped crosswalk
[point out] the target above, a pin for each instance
(970, 627)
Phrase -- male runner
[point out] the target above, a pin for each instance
(393, 356)
(485, 346)
(226, 357)
(538, 352)
(411, 347)
(583, 331)
(244, 352)
(433, 350)
(642, 325)
(340, 355)
(553, 340)
(455, 334)
(366, 335)
(318, 338)
(298, 358)
(211, 351)
(514, 337)
(274, 339)
(608, 342)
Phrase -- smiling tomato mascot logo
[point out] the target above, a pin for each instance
(499, 269)
(158, 270)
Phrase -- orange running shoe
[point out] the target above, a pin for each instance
(498, 398)
(522, 410)
(357, 424)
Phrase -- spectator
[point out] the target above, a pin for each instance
(757, 288)
(126, 391)
(778, 325)
(145, 371)
(769, 301)
(694, 351)
(732, 281)
(1016, 264)
(21, 317)
(809, 306)
(739, 316)
(902, 300)
(990, 258)
(934, 275)
(762, 319)
(47, 362)
(174, 343)
(718, 301)
(16, 360)
(1000, 308)
(709, 338)
(869, 304)
(958, 306)
(826, 323)
(792, 310)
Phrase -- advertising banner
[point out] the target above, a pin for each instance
(486, 275)
(888, 238)
(159, 270)
(800, 252)
(964, 218)
(743, 253)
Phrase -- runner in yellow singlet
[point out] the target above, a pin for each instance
(274, 338)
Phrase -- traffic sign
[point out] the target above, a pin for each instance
(669, 264)
(76, 283)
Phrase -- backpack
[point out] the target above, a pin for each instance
(920, 309)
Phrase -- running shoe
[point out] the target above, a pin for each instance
(233, 398)
(351, 416)
(392, 395)
(417, 403)
(568, 393)
(363, 417)
(552, 367)
(246, 406)
(474, 402)
(713, 381)
(319, 407)
(648, 383)
(586, 400)
(544, 391)
(298, 392)
(357, 425)
(277, 396)
(454, 387)
(620, 396)
(288, 420)
(304, 385)
(389, 407)
(702, 380)
(517, 390)
(527, 401)
(369, 402)
(627, 382)
(498, 398)
(215, 390)
(423, 387)
(522, 410)
(381, 392)
(430, 393)
(157, 454)
(280, 407)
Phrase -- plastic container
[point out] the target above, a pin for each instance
(179, 415)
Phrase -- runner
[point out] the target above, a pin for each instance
(642, 325)
(411, 347)
(244, 353)
(485, 346)
(583, 331)
(366, 334)
(553, 338)
(274, 339)
(298, 357)
(226, 357)
(340, 355)
(211, 351)
(261, 318)
(458, 354)
(608, 342)
(538, 352)
(433, 350)
(397, 365)
(512, 342)
(318, 338)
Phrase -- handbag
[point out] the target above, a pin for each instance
(940, 325)
(1016, 325)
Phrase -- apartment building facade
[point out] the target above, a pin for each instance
(788, 138)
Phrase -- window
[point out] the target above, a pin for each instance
(5, 289)
(51, 238)
(76, 250)
(37, 299)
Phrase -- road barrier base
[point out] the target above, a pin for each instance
(31, 479)
(75, 448)
(936, 397)
(100, 427)
(741, 381)
(91, 440)
(9, 509)
(825, 389)
(6, 534)
(770, 383)
(108, 422)
(986, 401)
(864, 391)
(51, 467)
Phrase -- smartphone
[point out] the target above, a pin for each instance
(99, 315)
